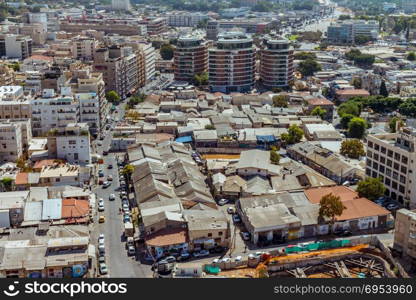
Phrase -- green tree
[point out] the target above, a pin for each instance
(209, 127)
(361, 39)
(128, 171)
(201, 79)
(357, 127)
(319, 111)
(392, 123)
(411, 56)
(371, 188)
(293, 136)
(356, 82)
(304, 55)
(330, 206)
(344, 17)
(383, 89)
(167, 51)
(7, 183)
(345, 120)
(280, 100)
(352, 148)
(308, 67)
(113, 97)
(134, 100)
(408, 108)
(349, 107)
(274, 157)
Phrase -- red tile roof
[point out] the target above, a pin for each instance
(320, 101)
(167, 237)
(73, 208)
(21, 178)
(359, 92)
(44, 163)
(314, 195)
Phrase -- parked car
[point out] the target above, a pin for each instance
(103, 269)
(112, 197)
(131, 250)
(222, 202)
(238, 258)
(215, 261)
(183, 256)
(110, 178)
(110, 166)
(392, 206)
(236, 218)
(106, 184)
(101, 207)
(100, 173)
(201, 253)
(101, 239)
(105, 152)
(231, 210)
(126, 219)
(245, 235)
(226, 259)
(101, 259)
(170, 259)
(101, 219)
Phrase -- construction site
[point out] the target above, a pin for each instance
(334, 259)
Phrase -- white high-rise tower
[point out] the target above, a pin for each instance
(120, 4)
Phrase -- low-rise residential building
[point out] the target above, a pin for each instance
(11, 141)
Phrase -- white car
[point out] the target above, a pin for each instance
(238, 258)
(101, 239)
(245, 235)
(225, 259)
(106, 184)
(103, 269)
(101, 207)
(222, 202)
(112, 197)
(215, 261)
(231, 210)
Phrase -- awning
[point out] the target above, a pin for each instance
(266, 138)
(184, 139)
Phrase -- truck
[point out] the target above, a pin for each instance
(128, 229)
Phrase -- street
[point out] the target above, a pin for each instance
(118, 263)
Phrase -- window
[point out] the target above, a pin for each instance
(383, 150)
(369, 162)
(369, 154)
(220, 233)
(395, 175)
(397, 156)
(381, 169)
(389, 163)
(210, 234)
(387, 181)
(390, 153)
(370, 144)
(388, 172)
(402, 179)
(368, 172)
(376, 147)
(375, 156)
(382, 160)
(401, 189)
(374, 174)
(396, 166)
(403, 170)
(394, 185)
(404, 159)
(375, 166)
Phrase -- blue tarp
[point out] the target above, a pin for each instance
(184, 139)
(266, 138)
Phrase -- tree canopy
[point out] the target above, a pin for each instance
(392, 123)
(371, 188)
(357, 127)
(308, 67)
(352, 148)
(167, 51)
(280, 100)
(319, 111)
(294, 135)
(113, 97)
(330, 206)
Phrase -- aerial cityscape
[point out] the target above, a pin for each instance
(208, 139)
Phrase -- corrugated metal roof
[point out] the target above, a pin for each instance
(52, 209)
(33, 211)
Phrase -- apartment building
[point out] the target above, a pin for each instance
(13, 103)
(7, 74)
(113, 70)
(89, 110)
(11, 147)
(185, 19)
(121, 27)
(345, 32)
(83, 48)
(392, 157)
(15, 46)
(232, 63)
(146, 62)
(53, 112)
(190, 58)
(155, 26)
(83, 80)
(37, 32)
(276, 63)
(72, 143)
(405, 232)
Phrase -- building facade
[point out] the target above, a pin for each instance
(276, 63)
(392, 157)
(232, 63)
(191, 58)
